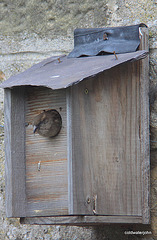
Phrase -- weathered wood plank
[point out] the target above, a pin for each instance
(47, 189)
(15, 152)
(80, 220)
(145, 151)
(106, 144)
(94, 153)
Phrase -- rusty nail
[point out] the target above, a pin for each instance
(105, 36)
(115, 55)
(59, 60)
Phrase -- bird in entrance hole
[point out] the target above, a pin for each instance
(48, 123)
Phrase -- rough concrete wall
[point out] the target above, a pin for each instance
(32, 30)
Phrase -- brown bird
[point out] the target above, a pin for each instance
(48, 123)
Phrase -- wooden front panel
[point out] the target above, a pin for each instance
(15, 196)
(47, 189)
(105, 154)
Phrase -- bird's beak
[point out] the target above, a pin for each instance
(34, 129)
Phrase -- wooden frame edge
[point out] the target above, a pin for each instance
(145, 146)
(80, 220)
(14, 152)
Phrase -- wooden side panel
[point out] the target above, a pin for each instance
(106, 162)
(15, 152)
(47, 189)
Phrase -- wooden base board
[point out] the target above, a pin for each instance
(80, 220)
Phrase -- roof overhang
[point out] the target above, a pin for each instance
(62, 72)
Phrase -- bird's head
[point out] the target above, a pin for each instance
(38, 120)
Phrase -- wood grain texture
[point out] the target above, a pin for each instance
(15, 152)
(106, 143)
(80, 220)
(145, 148)
(47, 189)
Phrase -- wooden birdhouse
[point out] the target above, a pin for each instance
(77, 134)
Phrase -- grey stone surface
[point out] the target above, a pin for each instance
(51, 17)
(32, 30)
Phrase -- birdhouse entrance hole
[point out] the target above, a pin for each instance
(48, 123)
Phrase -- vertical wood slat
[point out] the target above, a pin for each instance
(145, 151)
(47, 189)
(69, 149)
(15, 152)
(106, 144)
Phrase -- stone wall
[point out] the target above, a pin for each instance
(32, 30)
